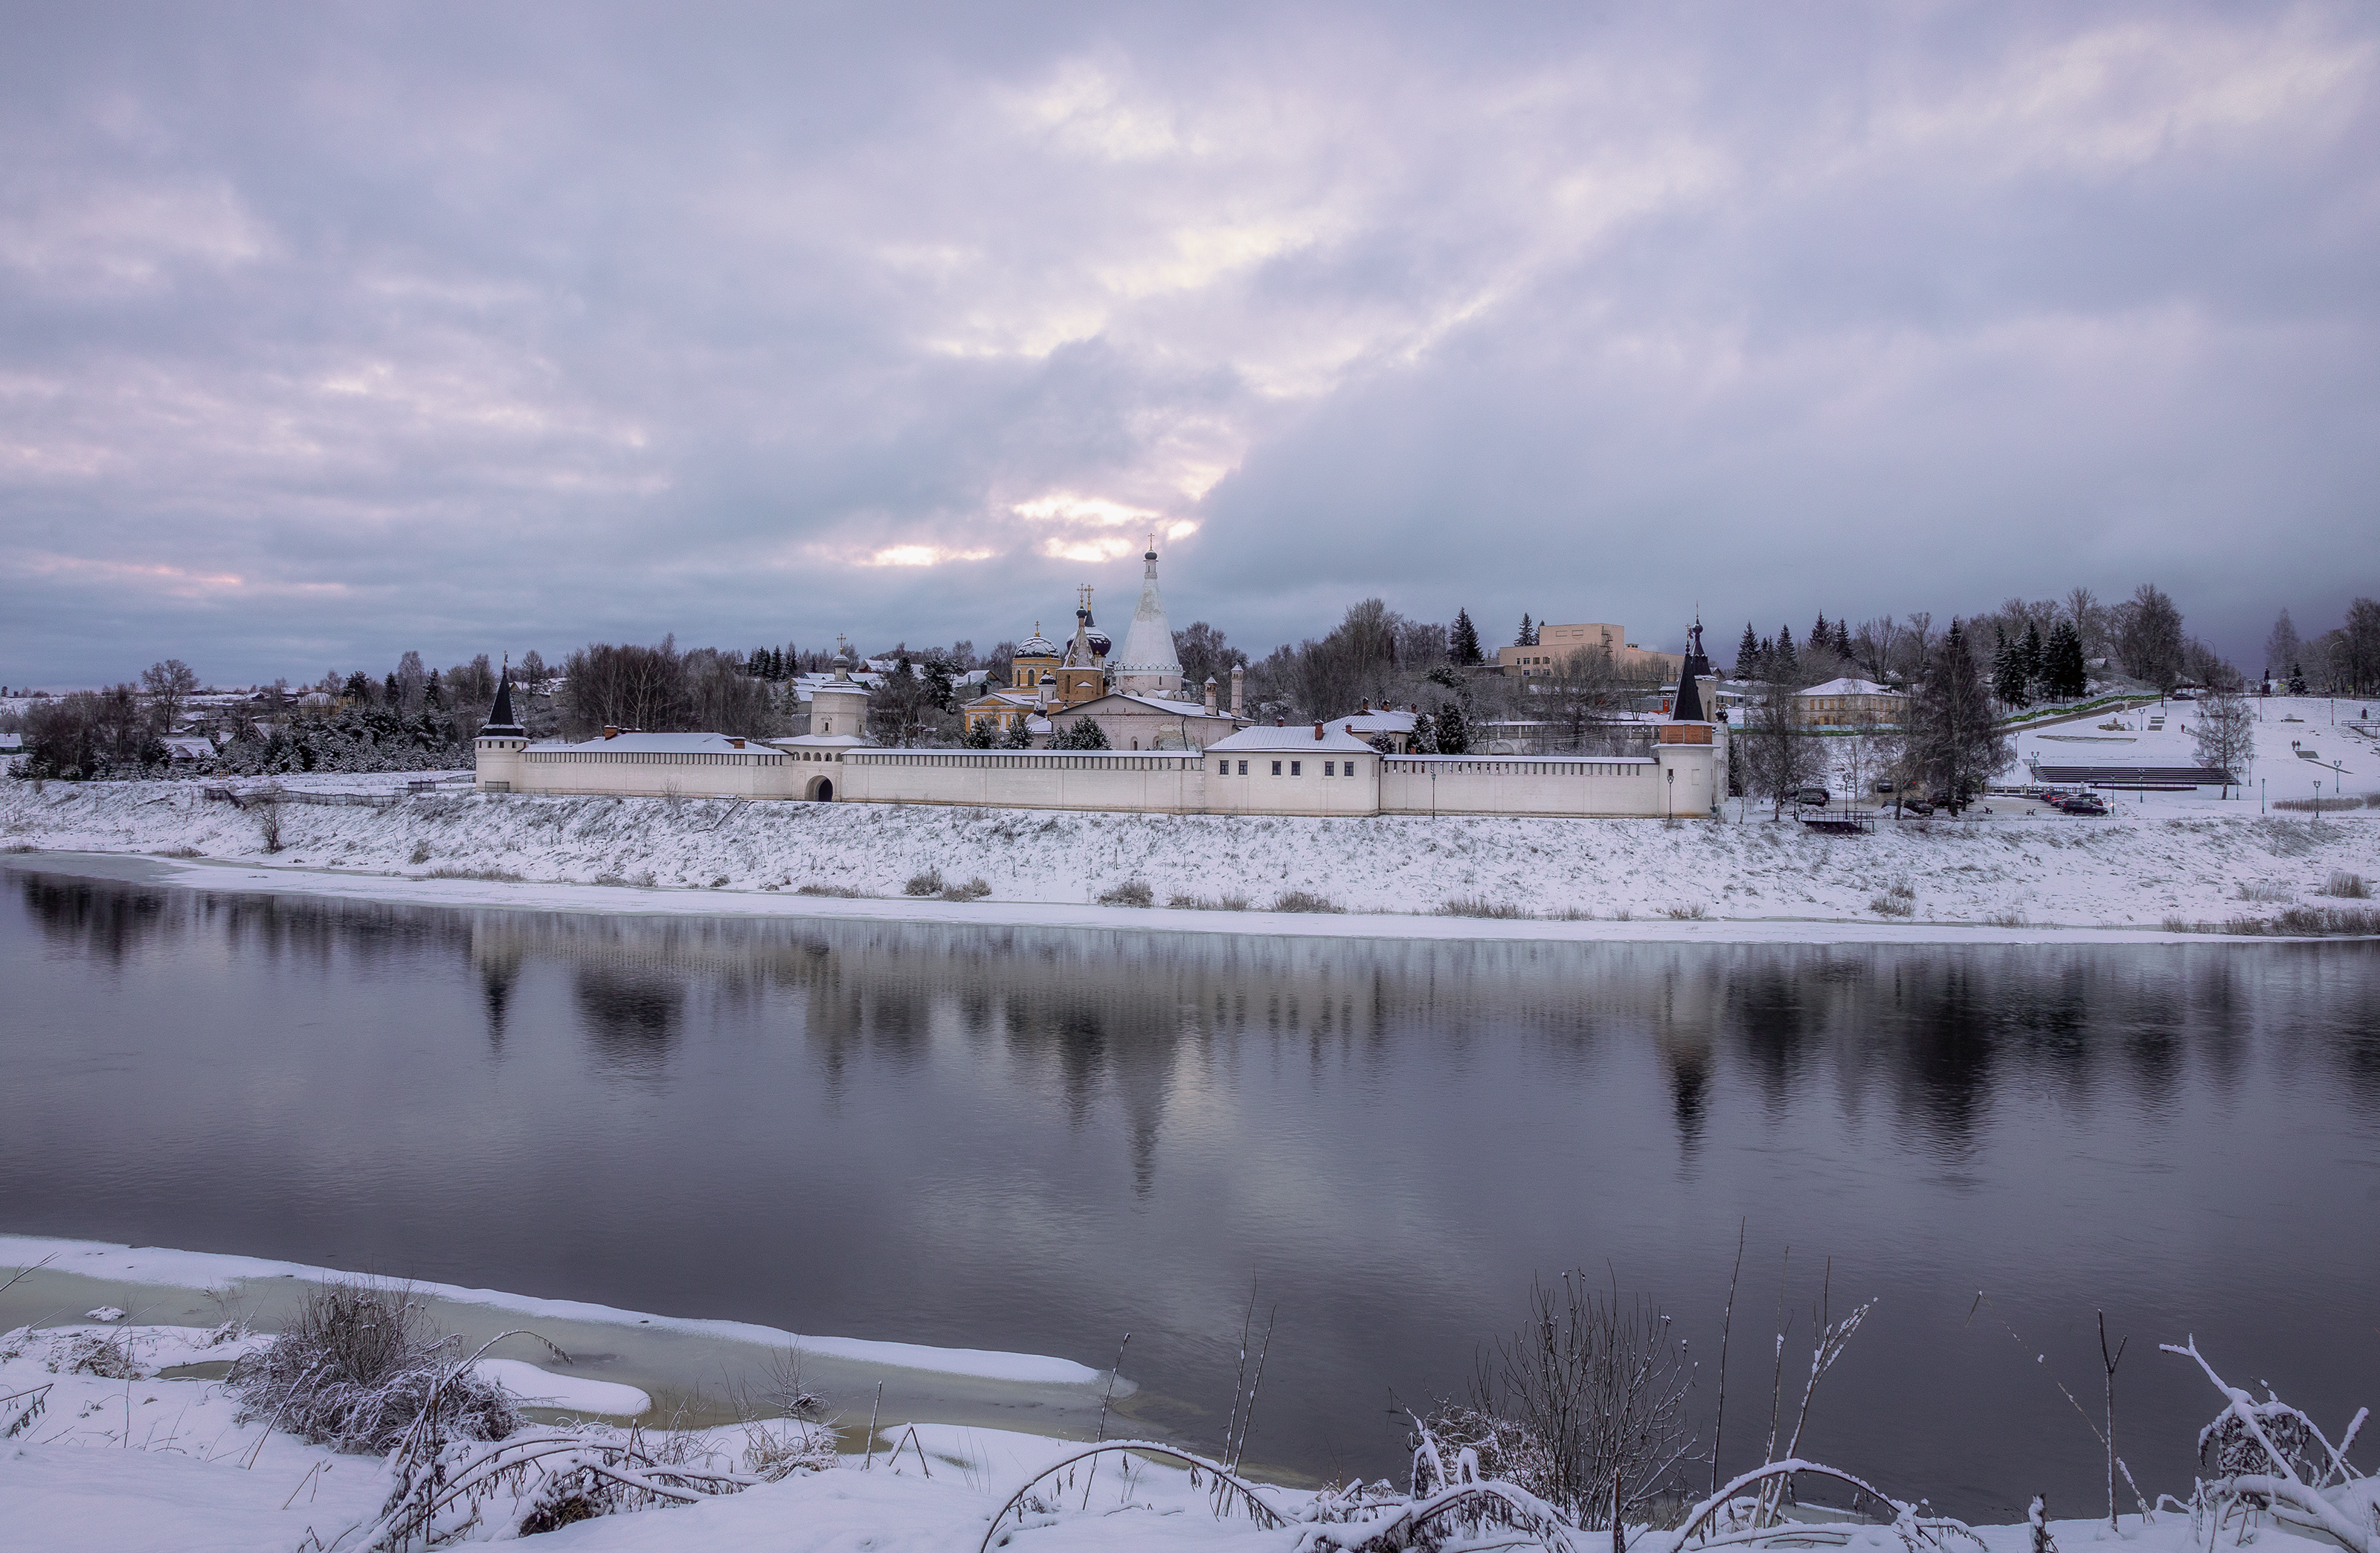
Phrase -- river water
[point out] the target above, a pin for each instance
(1038, 1139)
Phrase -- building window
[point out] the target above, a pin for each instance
(1330, 768)
(1350, 768)
(1297, 768)
(1276, 768)
(1243, 767)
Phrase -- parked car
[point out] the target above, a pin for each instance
(1917, 806)
(1816, 798)
(2084, 803)
(1884, 786)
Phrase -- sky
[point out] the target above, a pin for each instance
(335, 330)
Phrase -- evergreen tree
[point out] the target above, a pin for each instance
(980, 736)
(1019, 736)
(1454, 730)
(2063, 675)
(1528, 633)
(390, 693)
(358, 689)
(1821, 634)
(2008, 673)
(1955, 744)
(2028, 655)
(2296, 680)
(1747, 654)
(1784, 664)
(1081, 734)
(1462, 640)
(1843, 639)
(939, 689)
(431, 696)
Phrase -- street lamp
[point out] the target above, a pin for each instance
(1669, 795)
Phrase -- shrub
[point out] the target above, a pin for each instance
(358, 1367)
(1300, 899)
(1892, 905)
(1183, 902)
(1694, 912)
(2311, 922)
(841, 891)
(973, 890)
(420, 853)
(493, 876)
(1479, 905)
(1130, 893)
(2268, 894)
(927, 884)
(2348, 887)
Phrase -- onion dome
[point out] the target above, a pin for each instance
(1036, 645)
(1101, 643)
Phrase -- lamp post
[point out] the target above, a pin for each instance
(1668, 795)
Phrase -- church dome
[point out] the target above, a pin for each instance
(1101, 643)
(1037, 646)
(1149, 665)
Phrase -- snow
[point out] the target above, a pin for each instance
(202, 1269)
(571, 1393)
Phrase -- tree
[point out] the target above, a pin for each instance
(2356, 670)
(1781, 758)
(1787, 663)
(2149, 638)
(1451, 731)
(1528, 637)
(2227, 734)
(1019, 734)
(625, 685)
(983, 736)
(2009, 678)
(1205, 654)
(533, 672)
(410, 677)
(392, 694)
(170, 685)
(2282, 648)
(431, 696)
(2029, 657)
(1843, 638)
(358, 689)
(2063, 675)
(1822, 636)
(1955, 744)
(1081, 734)
(1462, 641)
(939, 689)
(1747, 654)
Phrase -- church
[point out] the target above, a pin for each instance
(1168, 748)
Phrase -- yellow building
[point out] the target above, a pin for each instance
(1555, 644)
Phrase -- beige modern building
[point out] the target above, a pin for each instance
(1557, 643)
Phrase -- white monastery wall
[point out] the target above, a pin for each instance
(1155, 783)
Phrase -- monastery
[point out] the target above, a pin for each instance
(1172, 750)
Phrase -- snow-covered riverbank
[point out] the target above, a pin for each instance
(2150, 862)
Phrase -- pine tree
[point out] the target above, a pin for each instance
(1529, 634)
(1081, 734)
(389, 692)
(1784, 664)
(2008, 673)
(1843, 639)
(1462, 640)
(2028, 655)
(1954, 741)
(1454, 730)
(1821, 634)
(431, 696)
(2063, 674)
(2296, 680)
(1747, 654)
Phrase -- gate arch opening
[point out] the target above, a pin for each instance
(821, 790)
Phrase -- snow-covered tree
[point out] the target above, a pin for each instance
(1747, 654)
(2227, 735)
(1081, 734)
(1955, 744)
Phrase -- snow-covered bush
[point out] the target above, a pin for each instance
(358, 1367)
(1130, 893)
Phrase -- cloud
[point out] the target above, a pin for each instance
(465, 330)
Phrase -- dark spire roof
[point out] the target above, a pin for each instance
(501, 722)
(1688, 707)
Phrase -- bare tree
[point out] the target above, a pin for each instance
(2227, 734)
(170, 685)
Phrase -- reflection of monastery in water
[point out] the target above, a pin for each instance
(1170, 748)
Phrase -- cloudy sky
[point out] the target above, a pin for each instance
(328, 331)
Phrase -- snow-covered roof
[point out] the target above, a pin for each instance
(1380, 720)
(657, 744)
(186, 748)
(1296, 740)
(1849, 687)
(1160, 703)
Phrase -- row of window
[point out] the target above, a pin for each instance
(1524, 768)
(650, 758)
(1296, 768)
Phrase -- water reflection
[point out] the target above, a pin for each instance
(1009, 1137)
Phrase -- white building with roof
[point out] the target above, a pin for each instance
(1148, 664)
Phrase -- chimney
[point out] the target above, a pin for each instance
(611, 732)
(1281, 722)
(1366, 707)
(1317, 731)
(1211, 695)
(1238, 674)
(737, 743)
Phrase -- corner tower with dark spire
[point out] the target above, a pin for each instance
(496, 754)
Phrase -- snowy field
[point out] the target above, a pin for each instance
(2191, 856)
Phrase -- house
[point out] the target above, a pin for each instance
(1843, 703)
